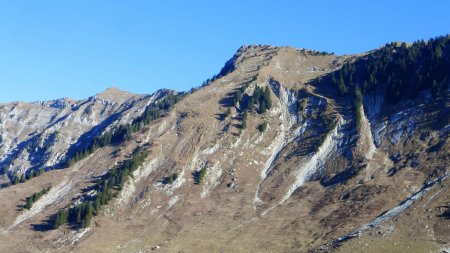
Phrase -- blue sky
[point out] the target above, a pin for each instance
(53, 49)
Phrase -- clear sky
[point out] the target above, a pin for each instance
(53, 49)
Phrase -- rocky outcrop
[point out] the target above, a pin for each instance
(41, 134)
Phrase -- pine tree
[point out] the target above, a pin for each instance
(32, 174)
(435, 88)
(358, 106)
(262, 106)
(262, 127)
(78, 211)
(267, 99)
(244, 120)
(22, 178)
(201, 175)
(29, 203)
(228, 112)
(15, 180)
(244, 124)
(251, 104)
(342, 87)
(88, 210)
(97, 204)
(437, 52)
(60, 218)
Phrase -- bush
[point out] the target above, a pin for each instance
(170, 179)
(200, 175)
(262, 127)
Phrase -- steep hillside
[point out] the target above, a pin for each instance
(271, 155)
(42, 135)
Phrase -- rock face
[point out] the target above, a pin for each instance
(308, 181)
(39, 135)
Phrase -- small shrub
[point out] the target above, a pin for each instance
(170, 179)
(262, 127)
(200, 175)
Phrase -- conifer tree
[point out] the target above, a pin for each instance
(267, 98)
(228, 112)
(15, 180)
(29, 203)
(22, 178)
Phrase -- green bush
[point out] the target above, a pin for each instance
(200, 175)
(172, 178)
(262, 127)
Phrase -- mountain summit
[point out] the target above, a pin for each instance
(114, 94)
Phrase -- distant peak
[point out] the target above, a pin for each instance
(115, 94)
(112, 90)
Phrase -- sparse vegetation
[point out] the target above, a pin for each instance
(446, 213)
(259, 101)
(106, 188)
(301, 105)
(80, 215)
(316, 52)
(262, 127)
(226, 114)
(229, 180)
(200, 175)
(35, 197)
(24, 177)
(124, 132)
(227, 68)
(170, 179)
(61, 217)
(244, 120)
(15, 180)
(244, 124)
(238, 94)
(358, 104)
(328, 123)
(30, 175)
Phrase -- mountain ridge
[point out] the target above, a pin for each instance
(271, 155)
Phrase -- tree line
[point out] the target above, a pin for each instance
(401, 70)
(24, 177)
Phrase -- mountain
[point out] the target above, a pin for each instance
(40, 135)
(285, 150)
